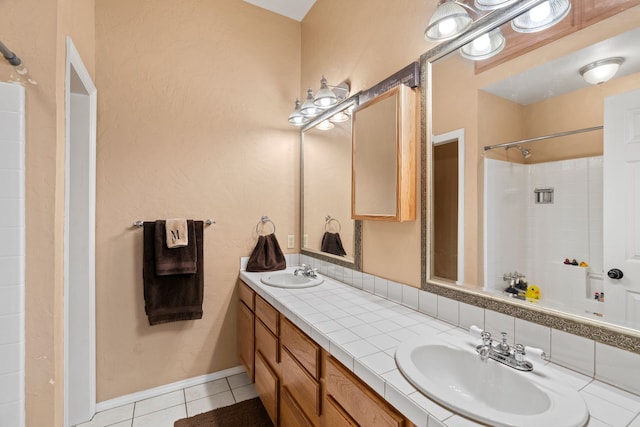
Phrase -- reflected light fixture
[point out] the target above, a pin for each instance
(542, 16)
(325, 125)
(449, 20)
(485, 46)
(296, 118)
(601, 71)
(492, 4)
(339, 117)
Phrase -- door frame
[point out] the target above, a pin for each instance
(456, 136)
(74, 64)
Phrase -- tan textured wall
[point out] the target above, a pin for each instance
(366, 42)
(193, 104)
(36, 31)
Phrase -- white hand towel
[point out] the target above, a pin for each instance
(176, 230)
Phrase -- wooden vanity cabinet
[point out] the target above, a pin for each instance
(267, 357)
(299, 384)
(351, 401)
(246, 328)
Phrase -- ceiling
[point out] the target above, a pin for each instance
(561, 76)
(294, 9)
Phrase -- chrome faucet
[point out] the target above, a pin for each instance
(502, 352)
(306, 271)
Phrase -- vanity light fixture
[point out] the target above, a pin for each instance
(449, 20)
(339, 117)
(485, 46)
(542, 16)
(296, 118)
(327, 97)
(601, 71)
(309, 108)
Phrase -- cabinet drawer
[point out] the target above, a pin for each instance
(247, 295)
(301, 386)
(267, 314)
(290, 413)
(267, 344)
(363, 405)
(335, 416)
(246, 328)
(267, 387)
(302, 347)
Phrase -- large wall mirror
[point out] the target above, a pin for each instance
(551, 184)
(327, 230)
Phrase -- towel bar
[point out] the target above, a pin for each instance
(140, 223)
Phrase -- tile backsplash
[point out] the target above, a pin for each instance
(605, 363)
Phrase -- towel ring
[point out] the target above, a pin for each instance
(329, 220)
(262, 221)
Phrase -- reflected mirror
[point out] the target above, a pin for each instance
(551, 183)
(328, 231)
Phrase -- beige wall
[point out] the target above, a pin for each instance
(192, 122)
(366, 42)
(36, 31)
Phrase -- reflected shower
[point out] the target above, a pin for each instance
(526, 153)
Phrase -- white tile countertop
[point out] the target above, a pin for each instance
(362, 330)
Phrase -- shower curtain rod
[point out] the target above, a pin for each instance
(9, 56)
(540, 138)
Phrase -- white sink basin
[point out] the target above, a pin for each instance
(286, 279)
(450, 372)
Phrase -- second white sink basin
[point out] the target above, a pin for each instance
(286, 279)
(452, 374)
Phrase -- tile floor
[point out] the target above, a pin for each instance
(162, 411)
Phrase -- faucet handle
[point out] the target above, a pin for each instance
(475, 330)
(537, 352)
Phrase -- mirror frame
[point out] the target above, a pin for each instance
(352, 101)
(616, 336)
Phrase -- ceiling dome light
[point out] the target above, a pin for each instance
(601, 71)
(541, 17)
(309, 109)
(492, 4)
(325, 97)
(484, 47)
(296, 118)
(449, 20)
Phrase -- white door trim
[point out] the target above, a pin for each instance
(74, 64)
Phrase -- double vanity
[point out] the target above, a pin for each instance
(323, 353)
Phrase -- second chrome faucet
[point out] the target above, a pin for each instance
(501, 351)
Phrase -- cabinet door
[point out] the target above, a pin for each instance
(267, 386)
(290, 413)
(362, 404)
(246, 331)
(335, 416)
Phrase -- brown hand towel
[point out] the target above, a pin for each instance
(332, 244)
(180, 260)
(174, 297)
(267, 255)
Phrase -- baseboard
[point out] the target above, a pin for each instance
(167, 388)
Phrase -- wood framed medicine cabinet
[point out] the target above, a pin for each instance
(383, 157)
